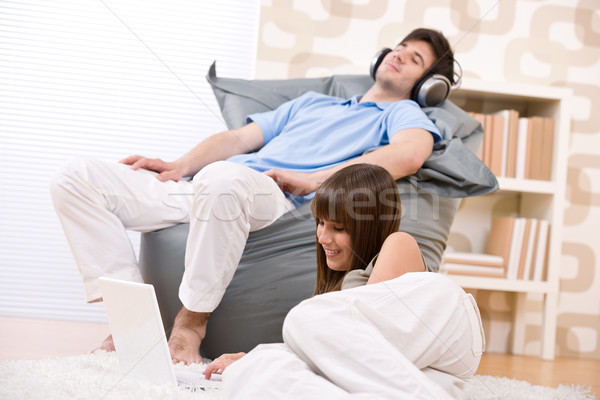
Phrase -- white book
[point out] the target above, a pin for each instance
(457, 257)
(516, 247)
(529, 251)
(540, 255)
(521, 148)
(468, 269)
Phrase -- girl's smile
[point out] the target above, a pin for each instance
(336, 243)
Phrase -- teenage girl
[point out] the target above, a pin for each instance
(379, 325)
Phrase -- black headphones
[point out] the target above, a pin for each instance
(430, 90)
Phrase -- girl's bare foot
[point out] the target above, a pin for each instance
(188, 331)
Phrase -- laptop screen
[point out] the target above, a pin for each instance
(137, 329)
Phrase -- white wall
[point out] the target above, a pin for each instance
(106, 79)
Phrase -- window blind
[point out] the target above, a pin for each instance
(104, 79)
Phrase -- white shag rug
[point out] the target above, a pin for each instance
(97, 376)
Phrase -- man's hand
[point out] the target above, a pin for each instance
(166, 170)
(296, 183)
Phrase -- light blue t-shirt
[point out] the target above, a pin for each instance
(315, 131)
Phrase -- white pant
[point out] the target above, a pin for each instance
(97, 201)
(418, 336)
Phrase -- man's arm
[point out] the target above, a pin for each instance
(406, 153)
(214, 148)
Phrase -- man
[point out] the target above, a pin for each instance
(272, 164)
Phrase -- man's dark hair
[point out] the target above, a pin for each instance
(444, 63)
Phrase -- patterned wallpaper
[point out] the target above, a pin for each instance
(546, 42)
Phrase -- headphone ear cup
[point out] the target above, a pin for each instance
(431, 90)
(377, 59)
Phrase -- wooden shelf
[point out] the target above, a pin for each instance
(533, 198)
(501, 284)
(527, 186)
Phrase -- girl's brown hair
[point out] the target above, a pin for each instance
(363, 198)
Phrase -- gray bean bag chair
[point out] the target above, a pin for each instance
(278, 267)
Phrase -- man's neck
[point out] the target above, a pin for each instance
(378, 95)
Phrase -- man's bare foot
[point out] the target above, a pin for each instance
(188, 331)
(106, 345)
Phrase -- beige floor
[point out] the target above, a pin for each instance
(560, 371)
(35, 339)
(32, 339)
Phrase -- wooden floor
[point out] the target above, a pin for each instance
(560, 371)
(36, 339)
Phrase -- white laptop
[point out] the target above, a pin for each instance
(139, 336)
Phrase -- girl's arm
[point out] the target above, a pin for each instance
(399, 254)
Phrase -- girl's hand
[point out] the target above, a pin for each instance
(219, 364)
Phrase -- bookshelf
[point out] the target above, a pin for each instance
(540, 199)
